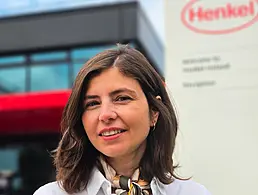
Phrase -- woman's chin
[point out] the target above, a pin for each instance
(114, 153)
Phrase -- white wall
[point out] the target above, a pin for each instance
(217, 108)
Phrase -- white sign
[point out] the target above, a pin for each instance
(212, 73)
(218, 18)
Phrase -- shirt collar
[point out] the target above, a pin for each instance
(98, 181)
(157, 187)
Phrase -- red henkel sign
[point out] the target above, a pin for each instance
(194, 16)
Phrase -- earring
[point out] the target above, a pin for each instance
(158, 97)
(153, 128)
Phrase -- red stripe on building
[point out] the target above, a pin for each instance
(30, 113)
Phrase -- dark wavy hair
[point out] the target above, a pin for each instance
(75, 156)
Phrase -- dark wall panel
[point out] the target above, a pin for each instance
(128, 23)
(85, 26)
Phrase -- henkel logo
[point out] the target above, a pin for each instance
(199, 16)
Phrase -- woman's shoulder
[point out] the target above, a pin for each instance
(52, 188)
(186, 187)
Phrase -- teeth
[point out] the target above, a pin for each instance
(109, 133)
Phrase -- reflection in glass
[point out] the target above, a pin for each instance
(23, 168)
(86, 53)
(12, 80)
(8, 169)
(10, 60)
(49, 70)
(49, 77)
(9, 158)
(76, 68)
(80, 56)
(49, 56)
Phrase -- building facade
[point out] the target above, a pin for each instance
(40, 55)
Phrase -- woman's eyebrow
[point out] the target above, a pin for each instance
(91, 97)
(121, 90)
(115, 92)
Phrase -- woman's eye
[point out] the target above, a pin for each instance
(91, 104)
(123, 98)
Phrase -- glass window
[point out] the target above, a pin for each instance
(81, 55)
(9, 158)
(48, 77)
(49, 56)
(8, 167)
(84, 54)
(77, 67)
(23, 168)
(12, 60)
(12, 80)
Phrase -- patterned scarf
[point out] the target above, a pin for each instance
(122, 185)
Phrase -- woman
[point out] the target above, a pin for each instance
(119, 131)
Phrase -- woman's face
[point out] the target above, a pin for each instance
(116, 117)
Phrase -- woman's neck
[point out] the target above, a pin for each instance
(126, 165)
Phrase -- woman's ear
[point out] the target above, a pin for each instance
(154, 117)
(155, 114)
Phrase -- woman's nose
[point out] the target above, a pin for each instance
(107, 113)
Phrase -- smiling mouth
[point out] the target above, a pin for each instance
(111, 133)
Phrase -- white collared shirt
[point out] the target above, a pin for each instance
(99, 185)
